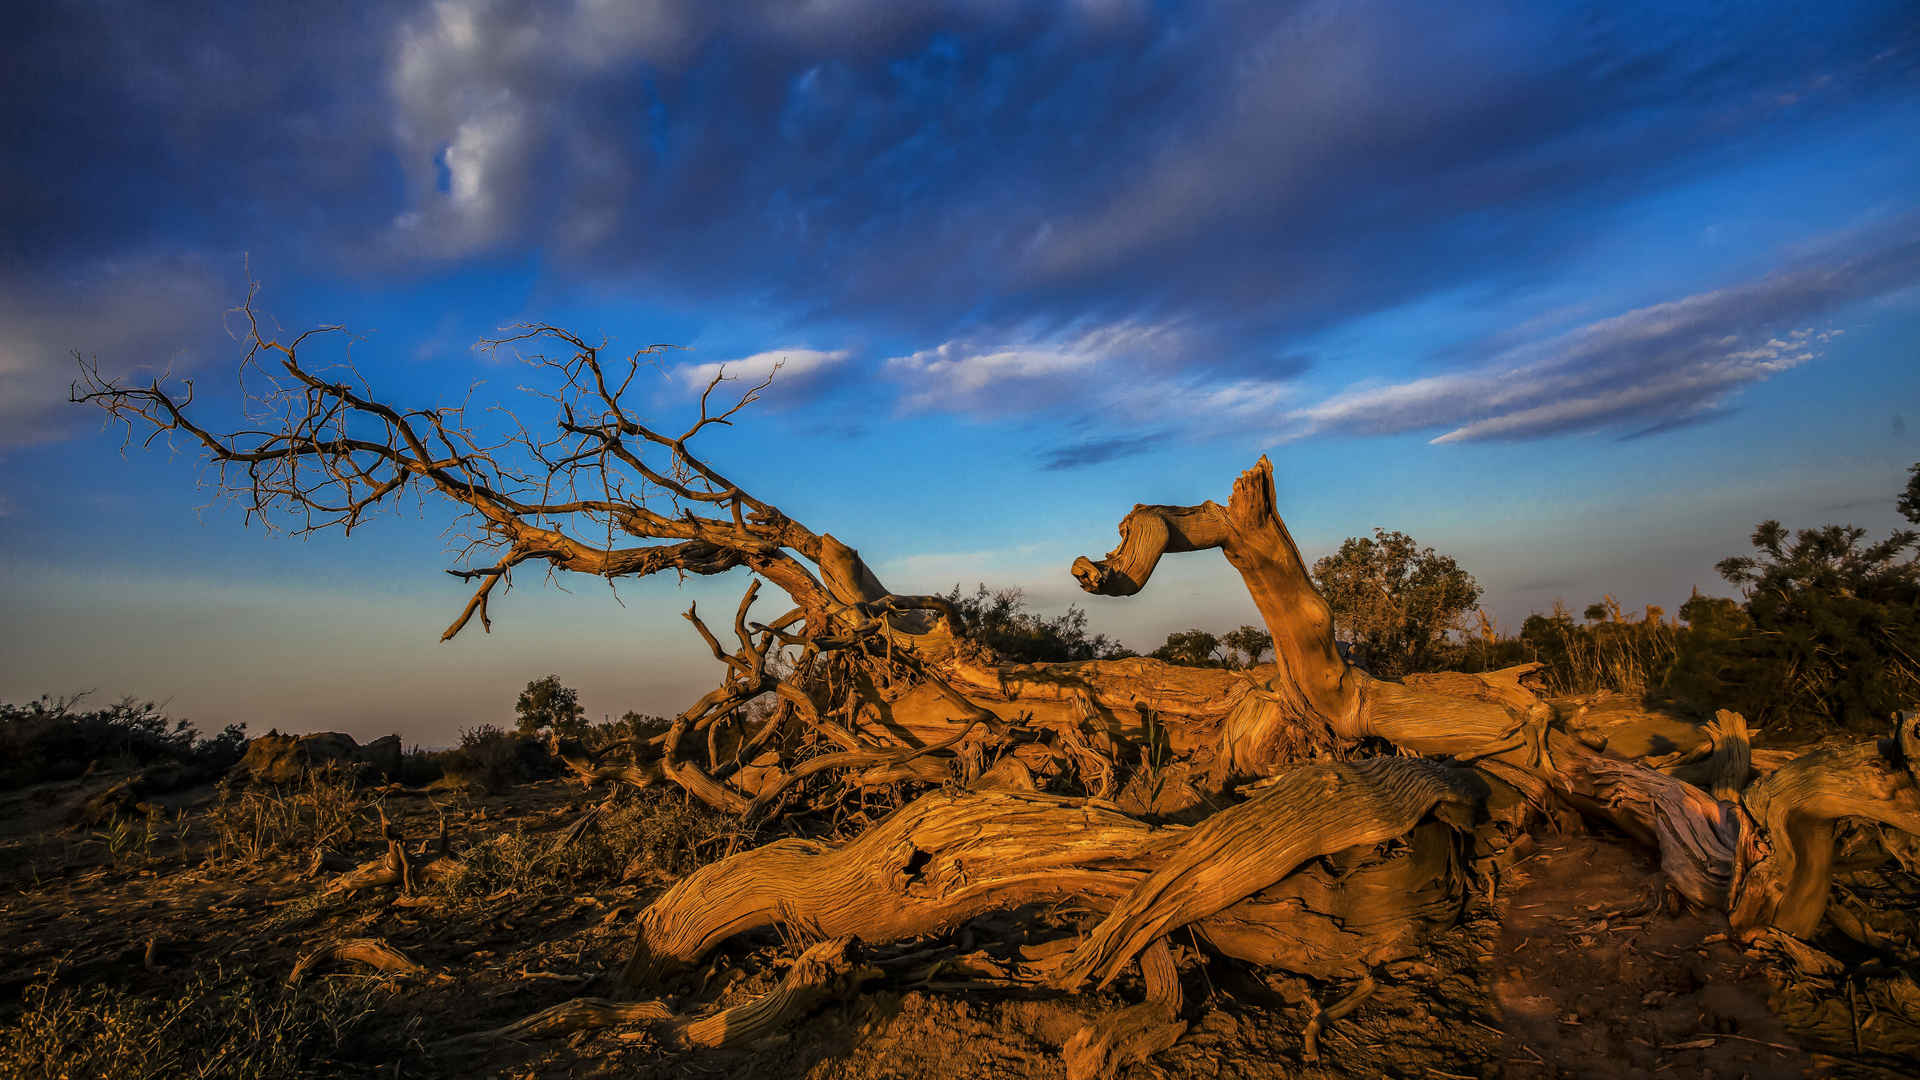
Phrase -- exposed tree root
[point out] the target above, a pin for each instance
(828, 970)
(397, 867)
(1137, 1032)
(1310, 1038)
(373, 952)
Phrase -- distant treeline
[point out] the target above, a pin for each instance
(56, 739)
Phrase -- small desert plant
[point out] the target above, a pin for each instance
(533, 864)
(664, 835)
(217, 1025)
(419, 767)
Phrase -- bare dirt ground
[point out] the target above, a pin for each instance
(1570, 969)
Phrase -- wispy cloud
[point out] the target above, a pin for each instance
(799, 375)
(959, 375)
(966, 376)
(1645, 371)
(1080, 455)
(1124, 384)
(136, 312)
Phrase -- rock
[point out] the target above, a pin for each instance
(287, 759)
(383, 753)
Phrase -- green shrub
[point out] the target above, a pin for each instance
(1397, 604)
(1829, 633)
(1000, 620)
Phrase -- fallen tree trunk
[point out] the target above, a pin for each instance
(889, 694)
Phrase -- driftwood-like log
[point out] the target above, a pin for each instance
(1306, 811)
(951, 856)
(1342, 916)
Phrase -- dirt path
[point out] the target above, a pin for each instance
(1591, 983)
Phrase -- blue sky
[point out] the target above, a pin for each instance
(1575, 293)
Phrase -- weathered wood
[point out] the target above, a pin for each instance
(1785, 865)
(1306, 811)
(1311, 681)
(951, 856)
(1342, 916)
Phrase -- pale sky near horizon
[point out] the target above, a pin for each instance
(1574, 293)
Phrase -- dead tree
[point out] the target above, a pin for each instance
(1302, 815)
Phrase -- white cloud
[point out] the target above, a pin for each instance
(1119, 388)
(957, 372)
(782, 364)
(474, 85)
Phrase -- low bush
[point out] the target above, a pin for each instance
(1001, 620)
(491, 759)
(49, 739)
(419, 767)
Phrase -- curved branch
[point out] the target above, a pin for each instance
(1309, 673)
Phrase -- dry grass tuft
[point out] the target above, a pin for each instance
(249, 823)
(650, 837)
(216, 1025)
